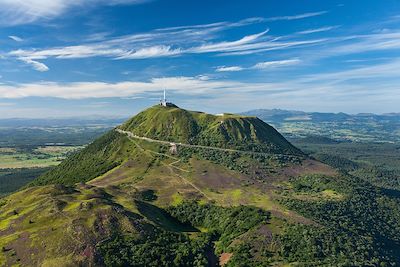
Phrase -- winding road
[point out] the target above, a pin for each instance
(132, 135)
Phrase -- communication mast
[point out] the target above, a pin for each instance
(163, 102)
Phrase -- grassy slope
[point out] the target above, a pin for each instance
(59, 225)
(100, 156)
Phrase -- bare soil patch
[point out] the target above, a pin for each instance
(224, 258)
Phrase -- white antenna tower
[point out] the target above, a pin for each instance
(164, 100)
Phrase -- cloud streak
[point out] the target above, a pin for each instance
(35, 64)
(138, 46)
(317, 30)
(205, 38)
(228, 69)
(261, 65)
(16, 12)
(228, 46)
(168, 43)
(81, 90)
(15, 38)
(151, 52)
(277, 63)
(299, 16)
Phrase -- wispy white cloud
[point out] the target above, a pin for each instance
(206, 38)
(149, 52)
(322, 29)
(227, 46)
(80, 90)
(35, 64)
(356, 44)
(229, 68)
(369, 42)
(299, 16)
(328, 47)
(155, 44)
(6, 104)
(261, 65)
(277, 63)
(217, 25)
(99, 36)
(388, 69)
(198, 85)
(15, 38)
(78, 51)
(96, 105)
(15, 12)
(102, 90)
(167, 42)
(139, 46)
(271, 45)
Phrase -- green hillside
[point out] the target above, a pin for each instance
(227, 130)
(128, 201)
(97, 158)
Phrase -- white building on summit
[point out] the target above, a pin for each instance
(164, 103)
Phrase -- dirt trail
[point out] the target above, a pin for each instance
(171, 166)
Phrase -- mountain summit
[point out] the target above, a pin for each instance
(224, 131)
(166, 125)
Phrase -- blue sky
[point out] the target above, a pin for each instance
(114, 57)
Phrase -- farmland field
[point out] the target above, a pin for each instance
(27, 152)
(40, 157)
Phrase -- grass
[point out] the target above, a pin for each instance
(57, 150)
(24, 160)
(236, 194)
(276, 225)
(177, 199)
(59, 227)
(125, 201)
(3, 242)
(7, 150)
(332, 194)
(60, 261)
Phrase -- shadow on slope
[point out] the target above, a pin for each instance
(161, 218)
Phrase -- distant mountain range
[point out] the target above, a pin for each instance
(280, 115)
(268, 115)
(60, 122)
(364, 127)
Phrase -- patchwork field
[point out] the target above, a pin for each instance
(44, 156)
